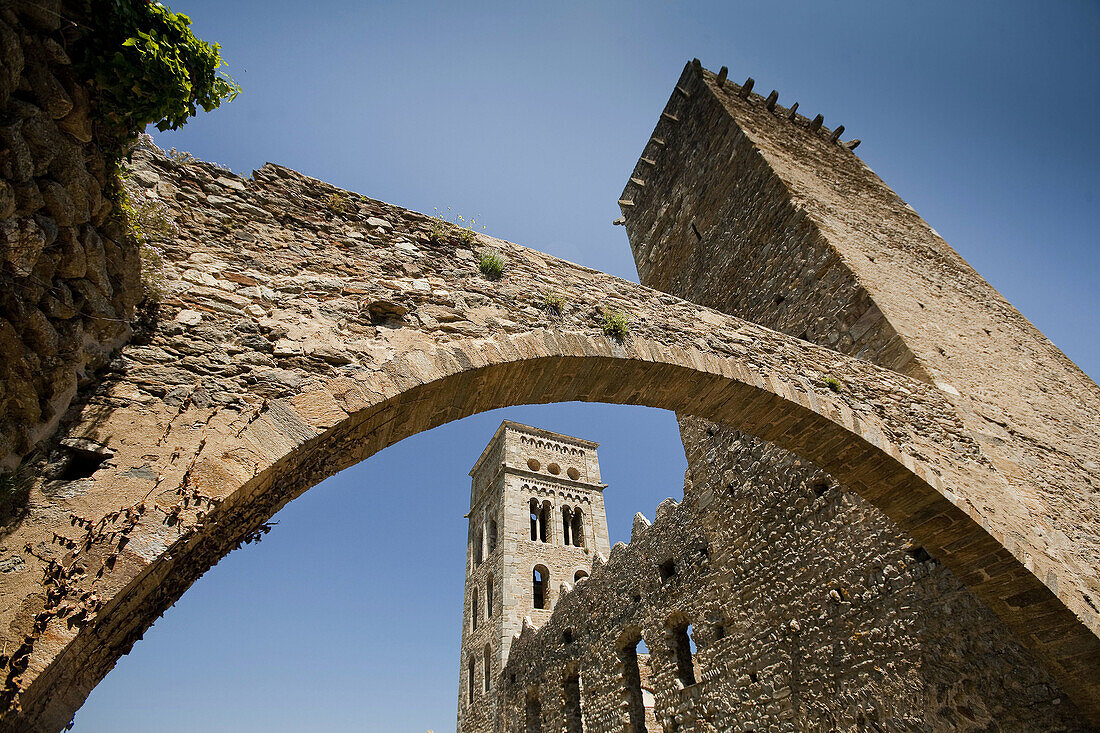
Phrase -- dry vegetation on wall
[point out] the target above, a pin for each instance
(79, 81)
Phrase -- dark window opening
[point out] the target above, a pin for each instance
(489, 597)
(478, 542)
(632, 682)
(918, 553)
(544, 522)
(668, 569)
(534, 715)
(683, 646)
(488, 667)
(470, 680)
(574, 720)
(534, 520)
(540, 582)
(565, 526)
(578, 528)
(473, 610)
(492, 535)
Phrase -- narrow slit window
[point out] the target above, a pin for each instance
(574, 717)
(683, 646)
(533, 715)
(488, 667)
(565, 519)
(489, 597)
(632, 683)
(473, 610)
(470, 680)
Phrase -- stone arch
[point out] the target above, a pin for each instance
(908, 456)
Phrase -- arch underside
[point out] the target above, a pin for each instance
(586, 368)
(319, 338)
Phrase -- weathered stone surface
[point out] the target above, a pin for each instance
(66, 294)
(233, 428)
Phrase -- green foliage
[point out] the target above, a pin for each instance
(338, 203)
(148, 67)
(438, 232)
(833, 384)
(615, 324)
(457, 226)
(491, 263)
(553, 302)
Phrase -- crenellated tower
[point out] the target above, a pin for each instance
(536, 521)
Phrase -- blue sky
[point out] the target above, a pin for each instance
(981, 115)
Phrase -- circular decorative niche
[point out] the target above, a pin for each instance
(533, 464)
(554, 468)
(573, 473)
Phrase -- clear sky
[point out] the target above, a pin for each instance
(530, 116)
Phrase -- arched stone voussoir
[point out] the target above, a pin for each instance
(244, 466)
(282, 359)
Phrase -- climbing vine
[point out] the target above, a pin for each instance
(148, 67)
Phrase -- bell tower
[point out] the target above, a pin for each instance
(536, 521)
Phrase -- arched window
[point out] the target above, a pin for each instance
(488, 668)
(565, 519)
(470, 680)
(579, 576)
(479, 540)
(473, 610)
(533, 716)
(492, 535)
(534, 520)
(540, 585)
(632, 681)
(578, 528)
(489, 596)
(544, 522)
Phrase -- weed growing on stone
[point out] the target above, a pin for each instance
(14, 487)
(148, 224)
(180, 156)
(833, 384)
(491, 263)
(615, 324)
(553, 302)
(337, 203)
(453, 225)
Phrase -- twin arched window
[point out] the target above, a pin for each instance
(572, 524)
(540, 519)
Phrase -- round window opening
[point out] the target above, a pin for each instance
(533, 464)
(573, 473)
(554, 468)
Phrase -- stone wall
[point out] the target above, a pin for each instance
(68, 280)
(808, 611)
(728, 207)
(305, 328)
